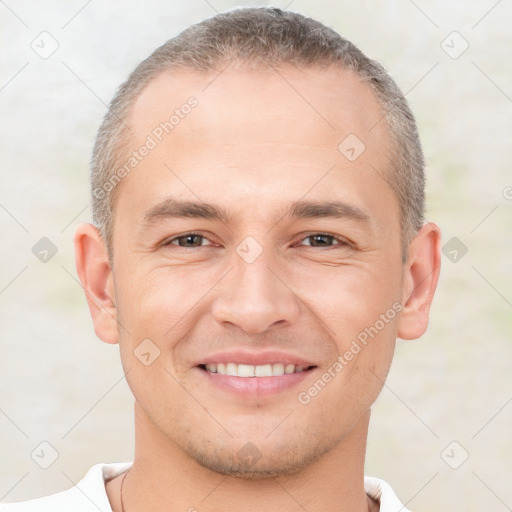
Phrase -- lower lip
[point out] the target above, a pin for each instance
(255, 387)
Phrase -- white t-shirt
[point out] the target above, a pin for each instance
(89, 495)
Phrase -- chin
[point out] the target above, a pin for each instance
(249, 462)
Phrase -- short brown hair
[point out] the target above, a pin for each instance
(263, 36)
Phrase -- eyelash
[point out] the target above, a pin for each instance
(341, 242)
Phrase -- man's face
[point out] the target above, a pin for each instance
(268, 283)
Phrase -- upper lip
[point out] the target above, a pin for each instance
(255, 358)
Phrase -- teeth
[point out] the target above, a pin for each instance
(289, 368)
(264, 370)
(232, 369)
(245, 370)
(211, 368)
(277, 369)
(249, 370)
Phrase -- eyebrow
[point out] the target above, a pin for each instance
(173, 208)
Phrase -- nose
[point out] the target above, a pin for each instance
(255, 296)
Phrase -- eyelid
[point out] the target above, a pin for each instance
(340, 240)
(168, 241)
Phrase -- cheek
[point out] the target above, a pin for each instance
(155, 310)
(158, 311)
(350, 298)
(157, 302)
(345, 389)
(359, 308)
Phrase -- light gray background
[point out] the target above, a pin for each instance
(61, 385)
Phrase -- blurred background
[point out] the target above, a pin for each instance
(441, 428)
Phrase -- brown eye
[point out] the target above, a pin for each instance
(323, 240)
(188, 240)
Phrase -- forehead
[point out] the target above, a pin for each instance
(237, 97)
(258, 137)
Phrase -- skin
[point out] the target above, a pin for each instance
(253, 145)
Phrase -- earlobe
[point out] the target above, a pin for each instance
(421, 275)
(93, 268)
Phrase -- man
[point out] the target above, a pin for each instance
(258, 195)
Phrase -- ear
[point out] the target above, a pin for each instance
(93, 268)
(421, 274)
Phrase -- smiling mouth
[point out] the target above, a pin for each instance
(254, 371)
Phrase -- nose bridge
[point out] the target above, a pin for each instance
(253, 297)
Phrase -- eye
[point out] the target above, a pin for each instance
(324, 240)
(192, 240)
(188, 240)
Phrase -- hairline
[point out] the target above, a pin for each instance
(124, 139)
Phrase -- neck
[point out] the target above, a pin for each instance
(164, 478)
